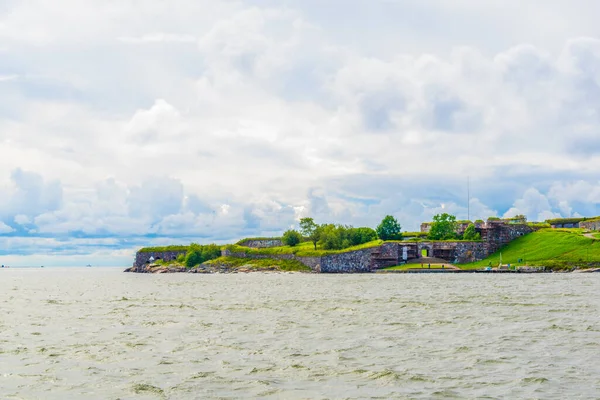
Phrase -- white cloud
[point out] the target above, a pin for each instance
(159, 37)
(124, 120)
(5, 228)
(534, 205)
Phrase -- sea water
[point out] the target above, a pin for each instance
(94, 333)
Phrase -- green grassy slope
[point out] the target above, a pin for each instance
(547, 247)
(281, 265)
(305, 249)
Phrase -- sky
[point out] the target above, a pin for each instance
(126, 123)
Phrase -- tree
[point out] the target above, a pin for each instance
(210, 252)
(198, 254)
(291, 237)
(361, 235)
(471, 234)
(310, 230)
(193, 256)
(443, 227)
(389, 229)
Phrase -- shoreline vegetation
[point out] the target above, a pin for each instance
(546, 249)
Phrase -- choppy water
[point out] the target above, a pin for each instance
(100, 333)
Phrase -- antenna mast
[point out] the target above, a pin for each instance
(468, 199)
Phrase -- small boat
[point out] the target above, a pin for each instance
(89, 265)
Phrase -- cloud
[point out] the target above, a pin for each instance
(159, 37)
(534, 205)
(167, 124)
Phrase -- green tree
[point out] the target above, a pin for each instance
(471, 234)
(443, 227)
(334, 237)
(389, 229)
(310, 230)
(361, 235)
(291, 237)
(210, 252)
(197, 254)
(193, 256)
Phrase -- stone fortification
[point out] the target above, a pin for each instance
(351, 262)
(144, 258)
(261, 243)
(593, 225)
(494, 235)
(497, 234)
(386, 255)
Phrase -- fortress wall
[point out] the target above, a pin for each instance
(498, 235)
(590, 225)
(143, 258)
(351, 262)
(262, 243)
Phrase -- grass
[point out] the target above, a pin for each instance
(305, 249)
(414, 234)
(554, 248)
(258, 238)
(538, 225)
(159, 249)
(264, 263)
(406, 267)
(565, 220)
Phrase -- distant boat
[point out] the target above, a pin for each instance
(89, 265)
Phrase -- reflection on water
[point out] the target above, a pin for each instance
(100, 333)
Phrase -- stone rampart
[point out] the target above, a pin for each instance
(261, 243)
(350, 262)
(143, 258)
(590, 225)
(497, 235)
(313, 263)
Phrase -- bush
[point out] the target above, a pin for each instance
(334, 237)
(339, 237)
(291, 238)
(198, 254)
(361, 235)
(471, 234)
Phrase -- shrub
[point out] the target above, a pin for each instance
(198, 254)
(361, 235)
(291, 238)
(471, 234)
(334, 237)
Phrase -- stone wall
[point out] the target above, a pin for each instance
(465, 252)
(261, 243)
(568, 225)
(313, 263)
(498, 234)
(590, 225)
(351, 262)
(143, 258)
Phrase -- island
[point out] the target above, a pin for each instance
(444, 245)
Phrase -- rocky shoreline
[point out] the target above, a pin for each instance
(213, 268)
